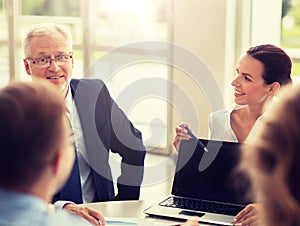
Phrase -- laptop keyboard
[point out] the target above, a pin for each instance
(202, 205)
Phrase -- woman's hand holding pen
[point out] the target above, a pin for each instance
(181, 134)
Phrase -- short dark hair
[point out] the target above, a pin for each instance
(277, 64)
(31, 131)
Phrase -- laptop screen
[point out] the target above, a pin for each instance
(210, 175)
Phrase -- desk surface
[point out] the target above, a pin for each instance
(128, 209)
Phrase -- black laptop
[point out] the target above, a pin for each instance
(206, 184)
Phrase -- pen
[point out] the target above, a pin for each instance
(199, 142)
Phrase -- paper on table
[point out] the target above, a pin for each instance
(129, 221)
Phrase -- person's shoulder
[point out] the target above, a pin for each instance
(90, 85)
(219, 116)
(218, 113)
(86, 81)
(224, 112)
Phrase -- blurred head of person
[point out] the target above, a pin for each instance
(36, 151)
(271, 159)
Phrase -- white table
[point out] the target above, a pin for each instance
(129, 209)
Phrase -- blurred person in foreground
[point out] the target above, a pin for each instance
(271, 159)
(37, 155)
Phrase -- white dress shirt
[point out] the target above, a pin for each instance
(220, 127)
(87, 185)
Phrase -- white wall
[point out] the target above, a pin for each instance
(200, 27)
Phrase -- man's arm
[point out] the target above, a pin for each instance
(126, 140)
(131, 149)
(102, 118)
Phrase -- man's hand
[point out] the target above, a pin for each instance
(248, 216)
(91, 215)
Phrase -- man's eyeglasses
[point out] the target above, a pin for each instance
(42, 62)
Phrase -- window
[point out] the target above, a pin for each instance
(4, 50)
(290, 33)
(98, 28)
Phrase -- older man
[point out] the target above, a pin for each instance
(93, 113)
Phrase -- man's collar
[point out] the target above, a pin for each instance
(68, 100)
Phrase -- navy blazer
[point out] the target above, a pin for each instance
(106, 128)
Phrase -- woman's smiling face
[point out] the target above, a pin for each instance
(249, 85)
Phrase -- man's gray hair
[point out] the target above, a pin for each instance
(46, 29)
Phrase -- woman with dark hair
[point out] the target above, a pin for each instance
(261, 72)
